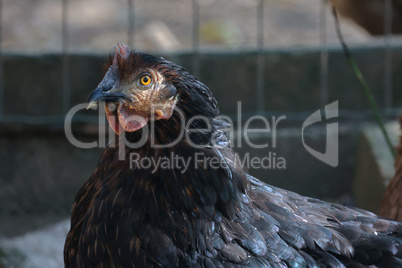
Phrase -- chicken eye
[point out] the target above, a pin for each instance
(145, 80)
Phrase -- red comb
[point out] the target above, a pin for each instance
(122, 52)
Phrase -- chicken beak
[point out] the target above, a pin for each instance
(92, 104)
(100, 95)
(94, 98)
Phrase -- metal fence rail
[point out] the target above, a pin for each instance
(388, 54)
(1, 63)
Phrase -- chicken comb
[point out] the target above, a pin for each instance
(120, 61)
(122, 52)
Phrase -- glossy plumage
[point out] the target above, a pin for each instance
(209, 216)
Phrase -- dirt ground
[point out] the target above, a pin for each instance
(41, 248)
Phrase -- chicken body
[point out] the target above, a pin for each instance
(203, 216)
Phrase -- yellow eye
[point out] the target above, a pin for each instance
(145, 80)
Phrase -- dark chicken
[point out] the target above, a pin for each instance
(206, 215)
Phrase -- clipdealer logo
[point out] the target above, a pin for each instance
(271, 161)
(331, 154)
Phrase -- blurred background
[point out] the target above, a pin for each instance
(278, 57)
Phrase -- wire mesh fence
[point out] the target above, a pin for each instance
(44, 25)
(197, 26)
